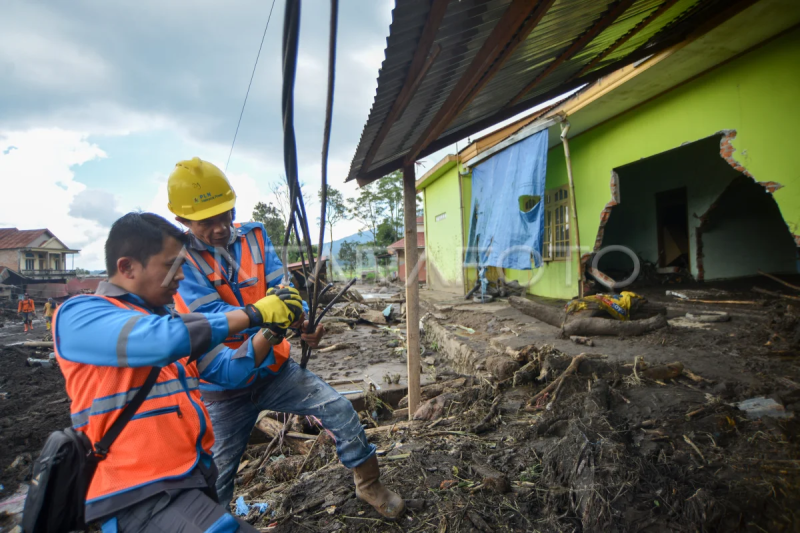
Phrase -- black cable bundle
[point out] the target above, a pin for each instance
(297, 216)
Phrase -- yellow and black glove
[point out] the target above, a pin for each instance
(278, 310)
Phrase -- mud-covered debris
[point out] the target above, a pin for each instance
(756, 408)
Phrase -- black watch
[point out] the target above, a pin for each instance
(271, 337)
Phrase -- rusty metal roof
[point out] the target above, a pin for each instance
(455, 67)
(12, 238)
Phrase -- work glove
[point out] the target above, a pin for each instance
(277, 311)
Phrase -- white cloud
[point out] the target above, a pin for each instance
(97, 205)
(39, 187)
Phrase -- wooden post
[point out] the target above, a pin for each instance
(412, 286)
(573, 206)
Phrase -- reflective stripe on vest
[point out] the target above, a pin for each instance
(165, 436)
(251, 282)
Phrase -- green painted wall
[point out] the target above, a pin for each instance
(756, 95)
(443, 238)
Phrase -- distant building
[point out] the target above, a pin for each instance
(34, 261)
(399, 248)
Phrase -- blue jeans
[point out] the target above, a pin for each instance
(293, 390)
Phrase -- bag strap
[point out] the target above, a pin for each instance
(101, 447)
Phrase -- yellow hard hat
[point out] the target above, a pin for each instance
(199, 190)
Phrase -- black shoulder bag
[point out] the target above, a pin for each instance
(56, 499)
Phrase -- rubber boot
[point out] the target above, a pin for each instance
(371, 490)
(48, 326)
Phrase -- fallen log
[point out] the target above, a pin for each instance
(587, 327)
(38, 344)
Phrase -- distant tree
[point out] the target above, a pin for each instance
(368, 208)
(335, 212)
(348, 256)
(269, 215)
(282, 198)
(387, 233)
(390, 192)
(82, 271)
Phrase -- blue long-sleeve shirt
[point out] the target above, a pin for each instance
(201, 296)
(96, 332)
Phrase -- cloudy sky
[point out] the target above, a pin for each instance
(99, 99)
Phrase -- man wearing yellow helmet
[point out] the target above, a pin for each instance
(228, 266)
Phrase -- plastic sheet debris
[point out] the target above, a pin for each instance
(39, 362)
(760, 407)
(243, 509)
(13, 505)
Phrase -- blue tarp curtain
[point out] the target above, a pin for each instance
(504, 232)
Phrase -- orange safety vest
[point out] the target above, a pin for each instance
(252, 288)
(164, 438)
(26, 306)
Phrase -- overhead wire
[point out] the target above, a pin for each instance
(250, 83)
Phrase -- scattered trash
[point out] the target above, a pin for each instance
(13, 505)
(39, 362)
(683, 322)
(577, 339)
(619, 306)
(708, 317)
(760, 407)
(677, 295)
(243, 509)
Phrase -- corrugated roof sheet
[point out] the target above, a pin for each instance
(462, 33)
(12, 238)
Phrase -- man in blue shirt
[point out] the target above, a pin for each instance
(159, 474)
(231, 265)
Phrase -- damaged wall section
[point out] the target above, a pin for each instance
(727, 224)
(754, 94)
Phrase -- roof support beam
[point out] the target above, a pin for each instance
(521, 17)
(602, 23)
(625, 38)
(424, 56)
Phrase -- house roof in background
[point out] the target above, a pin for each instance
(455, 67)
(401, 244)
(12, 238)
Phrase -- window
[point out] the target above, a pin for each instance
(556, 224)
(29, 264)
(441, 217)
(56, 263)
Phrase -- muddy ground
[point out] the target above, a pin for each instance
(33, 403)
(607, 450)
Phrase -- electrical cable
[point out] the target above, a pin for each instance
(298, 219)
(246, 94)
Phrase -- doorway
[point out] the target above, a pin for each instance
(672, 220)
